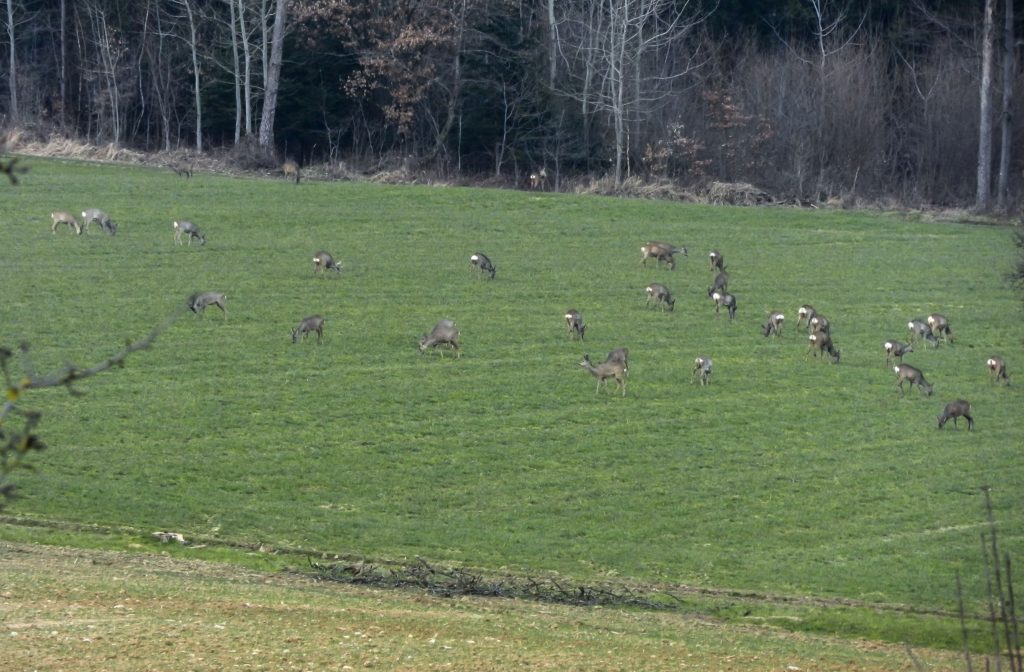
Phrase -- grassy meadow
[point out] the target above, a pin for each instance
(787, 475)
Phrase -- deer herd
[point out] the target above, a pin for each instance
(931, 330)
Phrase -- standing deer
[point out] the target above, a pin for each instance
(774, 325)
(574, 322)
(604, 371)
(101, 218)
(939, 326)
(701, 370)
(662, 252)
(538, 179)
(919, 331)
(197, 303)
(956, 409)
(661, 296)
(716, 260)
(313, 323)
(323, 262)
(481, 261)
(723, 300)
(905, 372)
(63, 217)
(894, 351)
(997, 370)
(290, 169)
(821, 342)
(820, 323)
(182, 169)
(720, 283)
(444, 333)
(185, 228)
(620, 355)
(806, 313)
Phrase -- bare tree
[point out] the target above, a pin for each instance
(273, 80)
(193, 44)
(13, 65)
(1005, 116)
(983, 198)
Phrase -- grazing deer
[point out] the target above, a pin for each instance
(723, 300)
(821, 342)
(538, 179)
(603, 372)
(806, 313)
(720, 283)
(939, 326)
(197, 303)
(574, 322)
(997, 370)
(620, 355)
(956, 409)
(182, 169)
(905, 372)
(290, 169)
(444, 333)
(313, 323)
(919, 331)
(103, 219)
(894, 351)
(63, 217)
(184, 228)
(662, 252)
(820, 323)
(661, 296)
(716, 260)
(481, 261)
(701, 370)
(323, 262)
(774, 325)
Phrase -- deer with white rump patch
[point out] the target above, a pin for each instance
(774, 325)
(63, 217)
(701, 370)
(997, 370)
(311, 324)
(661, 296)
(919, 331)
(820, 323)
(186, 228)
(538, 179)
(894, 351)
(620, 355)
(725, 300)
(662, 252)
(480, 260)
(905, 372)
(821, 342)
(957, 409)
(323, 262)
(198, 302)
(444, 333)
(939, 326)
(606, 370)
(574, 323)
(716, 260)
(806, 313)
(103, 219)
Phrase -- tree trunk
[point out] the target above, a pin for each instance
(273, 76)
(236, 71)
(62, 76)
(247, 64)
(1006, 116)
(552, 44)
(195, 72)
(983, 197)
(13, 83)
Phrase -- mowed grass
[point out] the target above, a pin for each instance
(786, 475)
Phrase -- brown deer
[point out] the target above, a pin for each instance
(538, 179)
(894, 351)
(806, 313)
(574, 323)
(939, 326)
(101, 218)
(716, 260)
(723, 300)
(701, 370)
(957, 409)
(290, 169)
(620, 355)
(774, 325)
(198, 302)
(603, 372)
(662, 252)
(821, 342)
(63, 217)
(661, 296)
(323, 262)
(311, 324)
(919, 331)
(905, 372)
(997, 370)
(444, 333)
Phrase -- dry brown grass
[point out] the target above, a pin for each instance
(69, 609)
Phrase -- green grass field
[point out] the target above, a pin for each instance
(786, 475)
